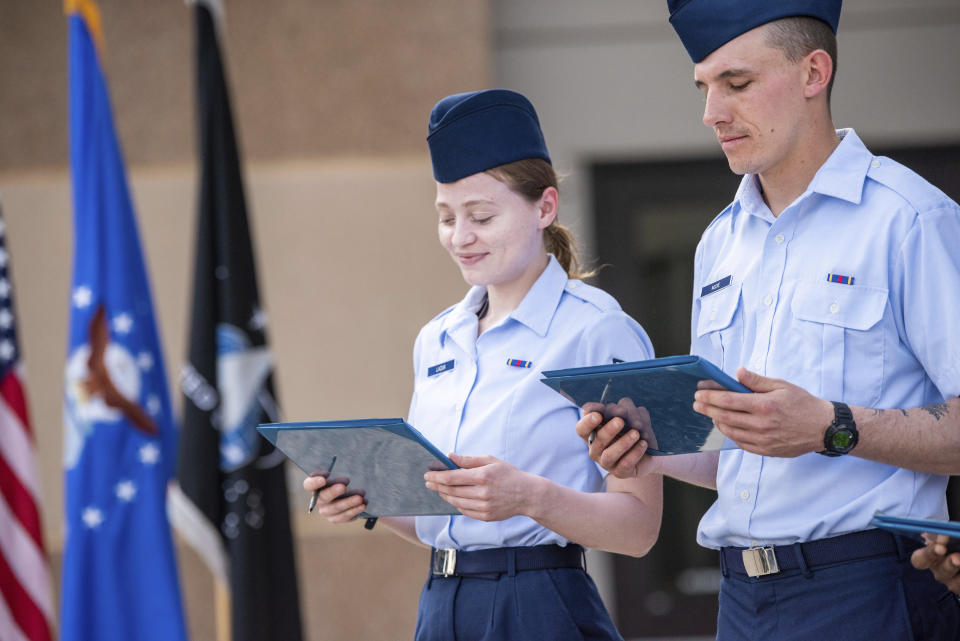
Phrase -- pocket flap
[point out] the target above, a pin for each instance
(851, 306)
(717, 309)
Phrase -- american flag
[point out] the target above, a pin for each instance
(26, 608)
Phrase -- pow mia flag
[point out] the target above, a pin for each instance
(236, 510)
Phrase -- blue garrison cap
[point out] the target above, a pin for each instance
(707, 25)
(476, 131)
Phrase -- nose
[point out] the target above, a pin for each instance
(714, 110)
(463, 235)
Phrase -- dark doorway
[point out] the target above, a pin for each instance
(648, 219)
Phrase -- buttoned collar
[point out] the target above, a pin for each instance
(536, 310)
(841, 176)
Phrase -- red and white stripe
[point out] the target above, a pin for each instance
(26, 607)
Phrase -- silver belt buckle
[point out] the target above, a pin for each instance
(760, 561)
(444, 562)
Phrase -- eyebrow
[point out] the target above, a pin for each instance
(466, 205)
(729, 73)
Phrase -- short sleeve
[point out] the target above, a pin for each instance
(614, 337)
(927, 275)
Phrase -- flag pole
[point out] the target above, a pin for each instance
(221, 599)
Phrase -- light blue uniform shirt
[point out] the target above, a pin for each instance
(468, 399)
(890, 339)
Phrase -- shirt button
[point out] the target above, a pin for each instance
(834, 308)
(768, 301)
(713, 315)
(875, 164)
(745, 495)
(778, 238)
(757, 364)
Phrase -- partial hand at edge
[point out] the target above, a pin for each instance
(933, 556)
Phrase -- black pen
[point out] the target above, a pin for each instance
(316, 492)
(603, 400)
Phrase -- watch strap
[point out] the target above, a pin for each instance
(842, 415)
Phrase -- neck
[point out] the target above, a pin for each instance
(785, 183)
(506, 297)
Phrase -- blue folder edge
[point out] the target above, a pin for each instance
(396, 425)
(913, 528)
(686, 362)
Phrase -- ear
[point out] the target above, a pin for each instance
(547, 207)
(819, 69)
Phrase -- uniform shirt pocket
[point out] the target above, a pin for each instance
(845, 320)
(718, 332)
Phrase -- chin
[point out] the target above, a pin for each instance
(738, 166)
(472, 278)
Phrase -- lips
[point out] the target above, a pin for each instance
(730, 140)
(728, 143)
(470, 259)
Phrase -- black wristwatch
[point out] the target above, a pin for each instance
(842, 435)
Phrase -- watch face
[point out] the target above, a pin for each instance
(842, 438)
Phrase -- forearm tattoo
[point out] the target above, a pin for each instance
(877, 412)
(936, 411)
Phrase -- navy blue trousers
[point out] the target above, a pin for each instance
(559, 604)
(878, 599)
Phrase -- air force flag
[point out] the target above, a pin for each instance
(119, 577)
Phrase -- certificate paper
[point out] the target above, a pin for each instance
(654, 397)
(382, 459)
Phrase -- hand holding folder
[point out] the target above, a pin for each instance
(654, 397)
(941, 552)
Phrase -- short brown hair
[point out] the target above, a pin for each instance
(798, 36)
(529, 178)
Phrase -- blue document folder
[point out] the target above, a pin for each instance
(913, 528)
(654, 397)
(384, 459)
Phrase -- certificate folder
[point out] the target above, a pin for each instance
(913, 528)
(654, 397)
(384, 459)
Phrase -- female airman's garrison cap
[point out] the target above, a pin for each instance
(476, 131)
(707, 25)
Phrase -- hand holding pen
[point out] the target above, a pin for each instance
(336, 504)
(330, 502)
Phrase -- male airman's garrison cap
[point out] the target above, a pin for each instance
(707, 25)
(475, 131)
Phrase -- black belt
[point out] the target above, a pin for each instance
(509, 560)
(761, 561)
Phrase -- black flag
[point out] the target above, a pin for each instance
(233, 480)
